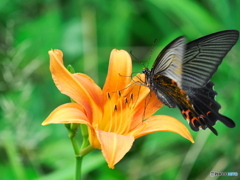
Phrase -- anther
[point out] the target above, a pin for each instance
(115, 107)
(109, 97)
(119, 93)
(131, 96)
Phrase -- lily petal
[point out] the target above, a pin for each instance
(92, 88)
(67, 83)
(145, 102)
(119, 71)
(160, 123)
(114, 146)
(145, 109)
(67, 113)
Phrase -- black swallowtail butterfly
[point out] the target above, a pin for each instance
(181, 77)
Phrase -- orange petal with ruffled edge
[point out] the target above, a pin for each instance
(161, 123)
(69, 85)
(114, 146)
(67, 113)
(119, 71)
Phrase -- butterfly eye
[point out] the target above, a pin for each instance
(146, 71)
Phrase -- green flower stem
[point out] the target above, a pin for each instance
(86, 150)
(84, 131)
(78, 173)
(85, 147)
(72, 134)
(75, 146)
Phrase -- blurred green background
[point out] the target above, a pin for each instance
(86, 31)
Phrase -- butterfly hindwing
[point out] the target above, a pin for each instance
(206, 108)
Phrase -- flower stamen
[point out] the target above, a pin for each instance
(126, 101)
(119, 94)
(122, 121)
(109, 125)
(131, 96)
(115, 107)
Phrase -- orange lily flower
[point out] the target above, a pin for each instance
(114, 114)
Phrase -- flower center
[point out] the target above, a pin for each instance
(118, 113)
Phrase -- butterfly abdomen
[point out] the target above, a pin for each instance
(167, 90)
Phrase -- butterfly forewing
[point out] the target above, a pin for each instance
(204, 55)
(169, 61)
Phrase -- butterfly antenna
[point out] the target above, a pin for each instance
(136, 59)
(151, 51)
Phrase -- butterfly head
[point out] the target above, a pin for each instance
(146, 71)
